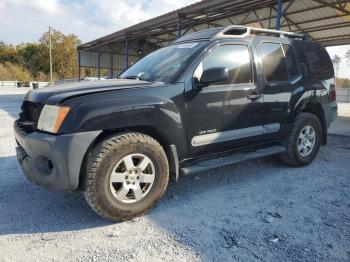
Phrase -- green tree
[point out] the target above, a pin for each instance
(33, 60)
(64, 55)
(9, 53)
(347, 56)
(336, 62)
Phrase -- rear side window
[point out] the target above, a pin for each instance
(319, 63)
(235, 57)
(290, 61)
(317, 60)
(273, 62)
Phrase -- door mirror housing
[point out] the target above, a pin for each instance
(213, 75)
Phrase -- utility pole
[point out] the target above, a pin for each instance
(50, 47)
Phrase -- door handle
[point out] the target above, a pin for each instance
(254, 96)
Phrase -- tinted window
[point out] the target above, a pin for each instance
(273, 62)
(319, 63)
(290, 61)
(316, 58)
(235, 57)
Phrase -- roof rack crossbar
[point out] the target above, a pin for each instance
(247, 30)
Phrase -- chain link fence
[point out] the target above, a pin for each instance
(343, 95)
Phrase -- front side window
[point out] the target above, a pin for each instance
(273, 62)
(235, 57)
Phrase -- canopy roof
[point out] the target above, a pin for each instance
(325, 21)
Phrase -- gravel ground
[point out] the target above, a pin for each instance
(253, 211)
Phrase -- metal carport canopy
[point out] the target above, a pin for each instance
(325, 21)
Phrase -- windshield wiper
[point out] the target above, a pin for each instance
(141, 77)
(130, 77)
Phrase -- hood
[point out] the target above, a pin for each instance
(60, 93)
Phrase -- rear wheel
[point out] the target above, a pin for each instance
(126, 175)
(304, 141)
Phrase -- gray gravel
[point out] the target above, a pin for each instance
(253, 211)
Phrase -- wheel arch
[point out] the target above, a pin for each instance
(317, 110)
(151, 131)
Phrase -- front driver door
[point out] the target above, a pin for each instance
(224, 115)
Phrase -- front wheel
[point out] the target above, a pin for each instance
(126, 175)
(304, 141)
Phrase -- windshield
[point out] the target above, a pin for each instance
(163, 64)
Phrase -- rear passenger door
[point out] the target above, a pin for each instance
(282, 75)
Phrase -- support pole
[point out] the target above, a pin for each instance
(178, 25)
(98, 65)
(279, 14)
(126, 51)
(111, 67)
(79, 68)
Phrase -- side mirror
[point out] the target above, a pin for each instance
(213, 75)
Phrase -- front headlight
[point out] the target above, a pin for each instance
(51, 118)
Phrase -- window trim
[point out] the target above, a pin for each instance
(296, 60)
(228, 86)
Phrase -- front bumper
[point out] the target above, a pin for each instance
(53, 161)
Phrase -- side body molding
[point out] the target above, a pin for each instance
(217, 137)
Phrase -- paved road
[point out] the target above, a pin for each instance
(253, 211)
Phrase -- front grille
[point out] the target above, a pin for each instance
(29, 116)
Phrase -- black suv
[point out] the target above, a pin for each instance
(212, 98)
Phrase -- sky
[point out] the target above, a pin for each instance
(344, 69)
(27, 20)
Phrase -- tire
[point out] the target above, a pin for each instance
(292, 156)
(112, 155)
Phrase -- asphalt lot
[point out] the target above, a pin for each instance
(253, 211)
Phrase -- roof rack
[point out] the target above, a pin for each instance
(238, 30)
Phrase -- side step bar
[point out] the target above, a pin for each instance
(229, 159)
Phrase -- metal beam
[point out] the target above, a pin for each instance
(126, 51)
(230, 20)
(279, 14)
(319, 19)
(98, 64)
(178, 25)
(336, 42)
(328, 38)
(286, 9)
(294, 24)
(326, 27)
(79, 67)
(246, 17)
(111, 69)
(256, 15)
(333, 6)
